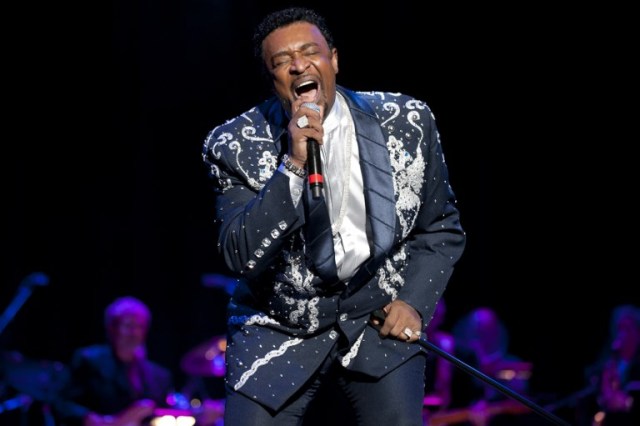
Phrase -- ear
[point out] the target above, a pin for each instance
(334, 59)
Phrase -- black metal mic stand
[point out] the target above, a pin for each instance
(380, 315)
(36, 279)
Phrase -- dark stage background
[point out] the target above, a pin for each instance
(106, 111)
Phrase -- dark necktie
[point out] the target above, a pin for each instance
(134, 374)
(319, 240)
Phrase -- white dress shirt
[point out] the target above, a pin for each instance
(342, 188)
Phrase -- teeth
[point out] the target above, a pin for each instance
(306, 83)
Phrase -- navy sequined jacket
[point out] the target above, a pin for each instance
(283, 317)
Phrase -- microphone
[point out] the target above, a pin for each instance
(314, 168)
(314, 163)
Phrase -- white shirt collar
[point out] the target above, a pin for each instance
(333, 118)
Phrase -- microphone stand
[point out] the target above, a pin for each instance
(379, 315)
(24, 291)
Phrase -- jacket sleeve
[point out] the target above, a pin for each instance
(437, 240)
(254, 224)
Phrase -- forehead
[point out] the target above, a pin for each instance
(292, 37)
(628, 323)
(131, 318)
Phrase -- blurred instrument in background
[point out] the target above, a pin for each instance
(27, 388)
(206, 359)
(39, 379)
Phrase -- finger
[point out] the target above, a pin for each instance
(313, 107)
(305, 107)
(302, 121)
(408, 332)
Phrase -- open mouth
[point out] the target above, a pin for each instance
(307, 91)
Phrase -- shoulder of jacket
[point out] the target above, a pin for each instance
(384, 97)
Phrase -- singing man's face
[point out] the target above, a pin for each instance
(301, 65)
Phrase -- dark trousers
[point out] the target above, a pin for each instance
(395, 399)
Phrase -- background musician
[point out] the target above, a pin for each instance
(115, 383)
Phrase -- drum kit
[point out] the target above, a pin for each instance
(27, 387)
(205, 367)
(206, 359)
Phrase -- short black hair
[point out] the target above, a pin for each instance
(284, 17)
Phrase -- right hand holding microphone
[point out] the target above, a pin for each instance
(301, 130)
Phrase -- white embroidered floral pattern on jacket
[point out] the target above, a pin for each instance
(389, 274)
(263, 361)
(247, 137)
(353, 351)
(407, 183)
(253, 319)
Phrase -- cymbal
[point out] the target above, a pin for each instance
(206, 359)
(39, 379)
(511, 370)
